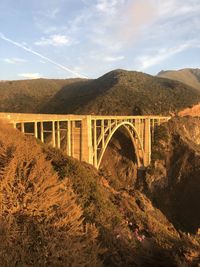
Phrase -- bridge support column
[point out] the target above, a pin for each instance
(22, 127)
(58, 134)
(35, 129)
(86, 140)
(102, 133)
(53, 134)
(42, 132)
(147, 142)
(69, 138)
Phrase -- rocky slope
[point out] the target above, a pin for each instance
(173, 182)
(131, 229)
(193, 111)
(188, 76)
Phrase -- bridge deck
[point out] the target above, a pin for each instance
(29, 117)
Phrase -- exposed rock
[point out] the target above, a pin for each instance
(174, 182)
(193, 111)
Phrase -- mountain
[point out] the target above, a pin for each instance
(117, 92)
(188, 76)
(29, 95)
(138, 93)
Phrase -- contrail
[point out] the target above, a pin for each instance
(3, 37)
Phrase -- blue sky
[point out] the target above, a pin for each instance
(87, 38)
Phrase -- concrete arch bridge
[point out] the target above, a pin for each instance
(86, 137)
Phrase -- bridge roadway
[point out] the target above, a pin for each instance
(86, 137)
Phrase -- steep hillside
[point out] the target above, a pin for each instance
(173, 182)
(190, 77)
(133, 232)
(117, 92)
(46, 215)
(41, 223)
(126, 92)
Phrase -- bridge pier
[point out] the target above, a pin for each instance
(147, 142)
(86, 140)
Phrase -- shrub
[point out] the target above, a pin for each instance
(40, 221)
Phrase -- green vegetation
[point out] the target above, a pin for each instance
(93, 197)
(139, 93)
(117, 92)
(29, 95)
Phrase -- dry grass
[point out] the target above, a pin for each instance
(40, 221)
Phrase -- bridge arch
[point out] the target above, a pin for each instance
(133, 134)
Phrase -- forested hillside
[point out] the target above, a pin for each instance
(29, 95)
(117, 92)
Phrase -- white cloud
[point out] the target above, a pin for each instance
(54, 40)
(30, 75)
(120, 23)
(108, 6)
(174, 8)
(3, 37)
(113, 58)
(160, 55)
(14, 60)
(134, 17)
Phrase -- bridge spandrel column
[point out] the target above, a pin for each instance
(69, 152)
(58, 133)
(22, 128)
(76, 139)
(35, 129)
(53, 134)
(147, 142)
(138, 127)
(42, 131)
(86, 140)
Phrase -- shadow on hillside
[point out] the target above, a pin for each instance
(180, 204)
(119, 163)
(74, 97)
